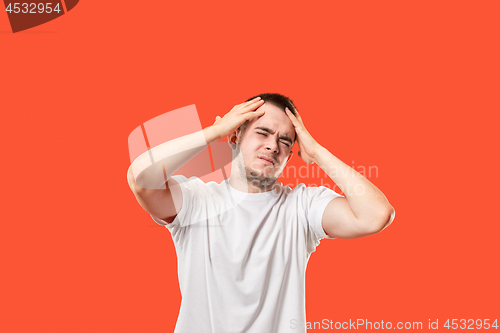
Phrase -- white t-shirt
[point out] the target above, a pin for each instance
(242, 256)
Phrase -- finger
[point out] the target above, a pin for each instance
(256, 113)
(291, 116)
(256, 99)
(238, 107)
(299, 122)
(298, 116)
(252, 107)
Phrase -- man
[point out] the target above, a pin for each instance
(243, 245)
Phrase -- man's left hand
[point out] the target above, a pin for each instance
(308, 147)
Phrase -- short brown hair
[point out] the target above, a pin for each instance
(278, 100)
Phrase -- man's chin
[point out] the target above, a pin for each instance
(260, 179)
(257, 174)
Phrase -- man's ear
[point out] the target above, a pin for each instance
(289, 157)
(233, 138)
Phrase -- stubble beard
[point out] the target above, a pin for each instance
(256, 179)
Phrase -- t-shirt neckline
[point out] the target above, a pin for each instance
(252, 196)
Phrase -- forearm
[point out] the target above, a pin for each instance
(154, 167)
(366, 201)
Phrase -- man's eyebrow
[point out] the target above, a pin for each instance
(281, 137)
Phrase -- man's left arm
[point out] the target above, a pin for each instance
(364, 211)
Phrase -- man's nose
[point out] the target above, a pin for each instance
(272, 145)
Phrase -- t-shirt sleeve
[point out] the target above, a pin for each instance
(315, 201)
(192, 196)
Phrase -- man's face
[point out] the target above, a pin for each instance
(265, 146)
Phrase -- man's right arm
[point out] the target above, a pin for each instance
(149, 175)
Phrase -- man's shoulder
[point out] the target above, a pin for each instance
(294, 188)
(199, 185)
(303, 190)
(196, 180)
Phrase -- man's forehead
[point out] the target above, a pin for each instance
(275, 119)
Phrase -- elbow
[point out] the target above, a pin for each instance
(392, 215)
(132, 183)
(386, 218)
(130, 178)
(382, 220)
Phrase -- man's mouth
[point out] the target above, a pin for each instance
(267, 159)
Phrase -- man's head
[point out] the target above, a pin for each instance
(262, 146)
(275, 99)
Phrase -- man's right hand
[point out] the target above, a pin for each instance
(155, 190)
(240, 113)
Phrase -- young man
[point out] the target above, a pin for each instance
(243, 245)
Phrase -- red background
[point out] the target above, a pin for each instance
(409, 87)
